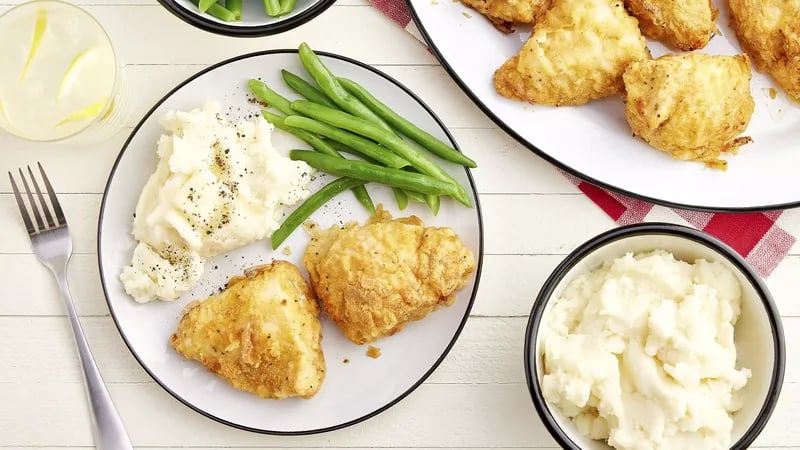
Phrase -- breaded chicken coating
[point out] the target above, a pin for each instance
(374, 279)
(261, 333)
(505, 13)
(576, 53)
(769, 31)
(691, 106)
(680, 24)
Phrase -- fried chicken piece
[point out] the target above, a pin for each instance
(375, 278)
(505, 13)
(692, 106)
(769, 31)
(680, 24)
(261, 333)
(576, 53)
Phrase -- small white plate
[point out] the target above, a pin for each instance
(352, 391)
(254, 23)
(594, 142)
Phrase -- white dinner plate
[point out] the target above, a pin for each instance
(356, 387)
(594, 141)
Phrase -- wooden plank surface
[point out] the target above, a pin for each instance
(476, 399)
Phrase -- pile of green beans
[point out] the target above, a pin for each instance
(388, 139)
(372, 172)
(340, 116)
(405, 127)
(231, 10)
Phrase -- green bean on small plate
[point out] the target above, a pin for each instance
(240, 18)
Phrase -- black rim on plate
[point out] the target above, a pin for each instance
(548, 288)
(278, 26)
(544, 155)
(478, 267)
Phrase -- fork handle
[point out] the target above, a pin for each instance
(109, 432)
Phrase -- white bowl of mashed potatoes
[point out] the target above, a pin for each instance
(654, 336)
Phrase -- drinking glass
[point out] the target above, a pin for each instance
(59, 75)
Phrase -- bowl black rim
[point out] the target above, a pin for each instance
(269, 29)
(445, 350)
(779, 348)
(608, 185)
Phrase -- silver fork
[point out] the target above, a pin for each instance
(53, 246)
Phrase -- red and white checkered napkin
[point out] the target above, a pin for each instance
(755, 236)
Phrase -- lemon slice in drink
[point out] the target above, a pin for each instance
(38, 33)
(88, 111)
(74, 71)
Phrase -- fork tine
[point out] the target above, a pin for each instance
(52, 193)
(34, 208)
(22, 209)
(45, 209)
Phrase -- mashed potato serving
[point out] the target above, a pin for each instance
(640, 353)
(218, 186)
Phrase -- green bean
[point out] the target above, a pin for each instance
(306, 89)
(222, 13)
(370, 172)
(272, 7)
(203, 5)
(401, 198)
(362, 195)
(323, 147)
(277, 120)
(364, 146)
(235, 6)
(416, 197)
(311, 204)
(401, 124)
(389, 140)
(287, 6)
(309, 138)
(218, 11)
(434, 203)
(331, 87)
(272, 98)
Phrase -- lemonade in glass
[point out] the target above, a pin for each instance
(58, 72)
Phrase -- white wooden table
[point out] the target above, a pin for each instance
(476, 399)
